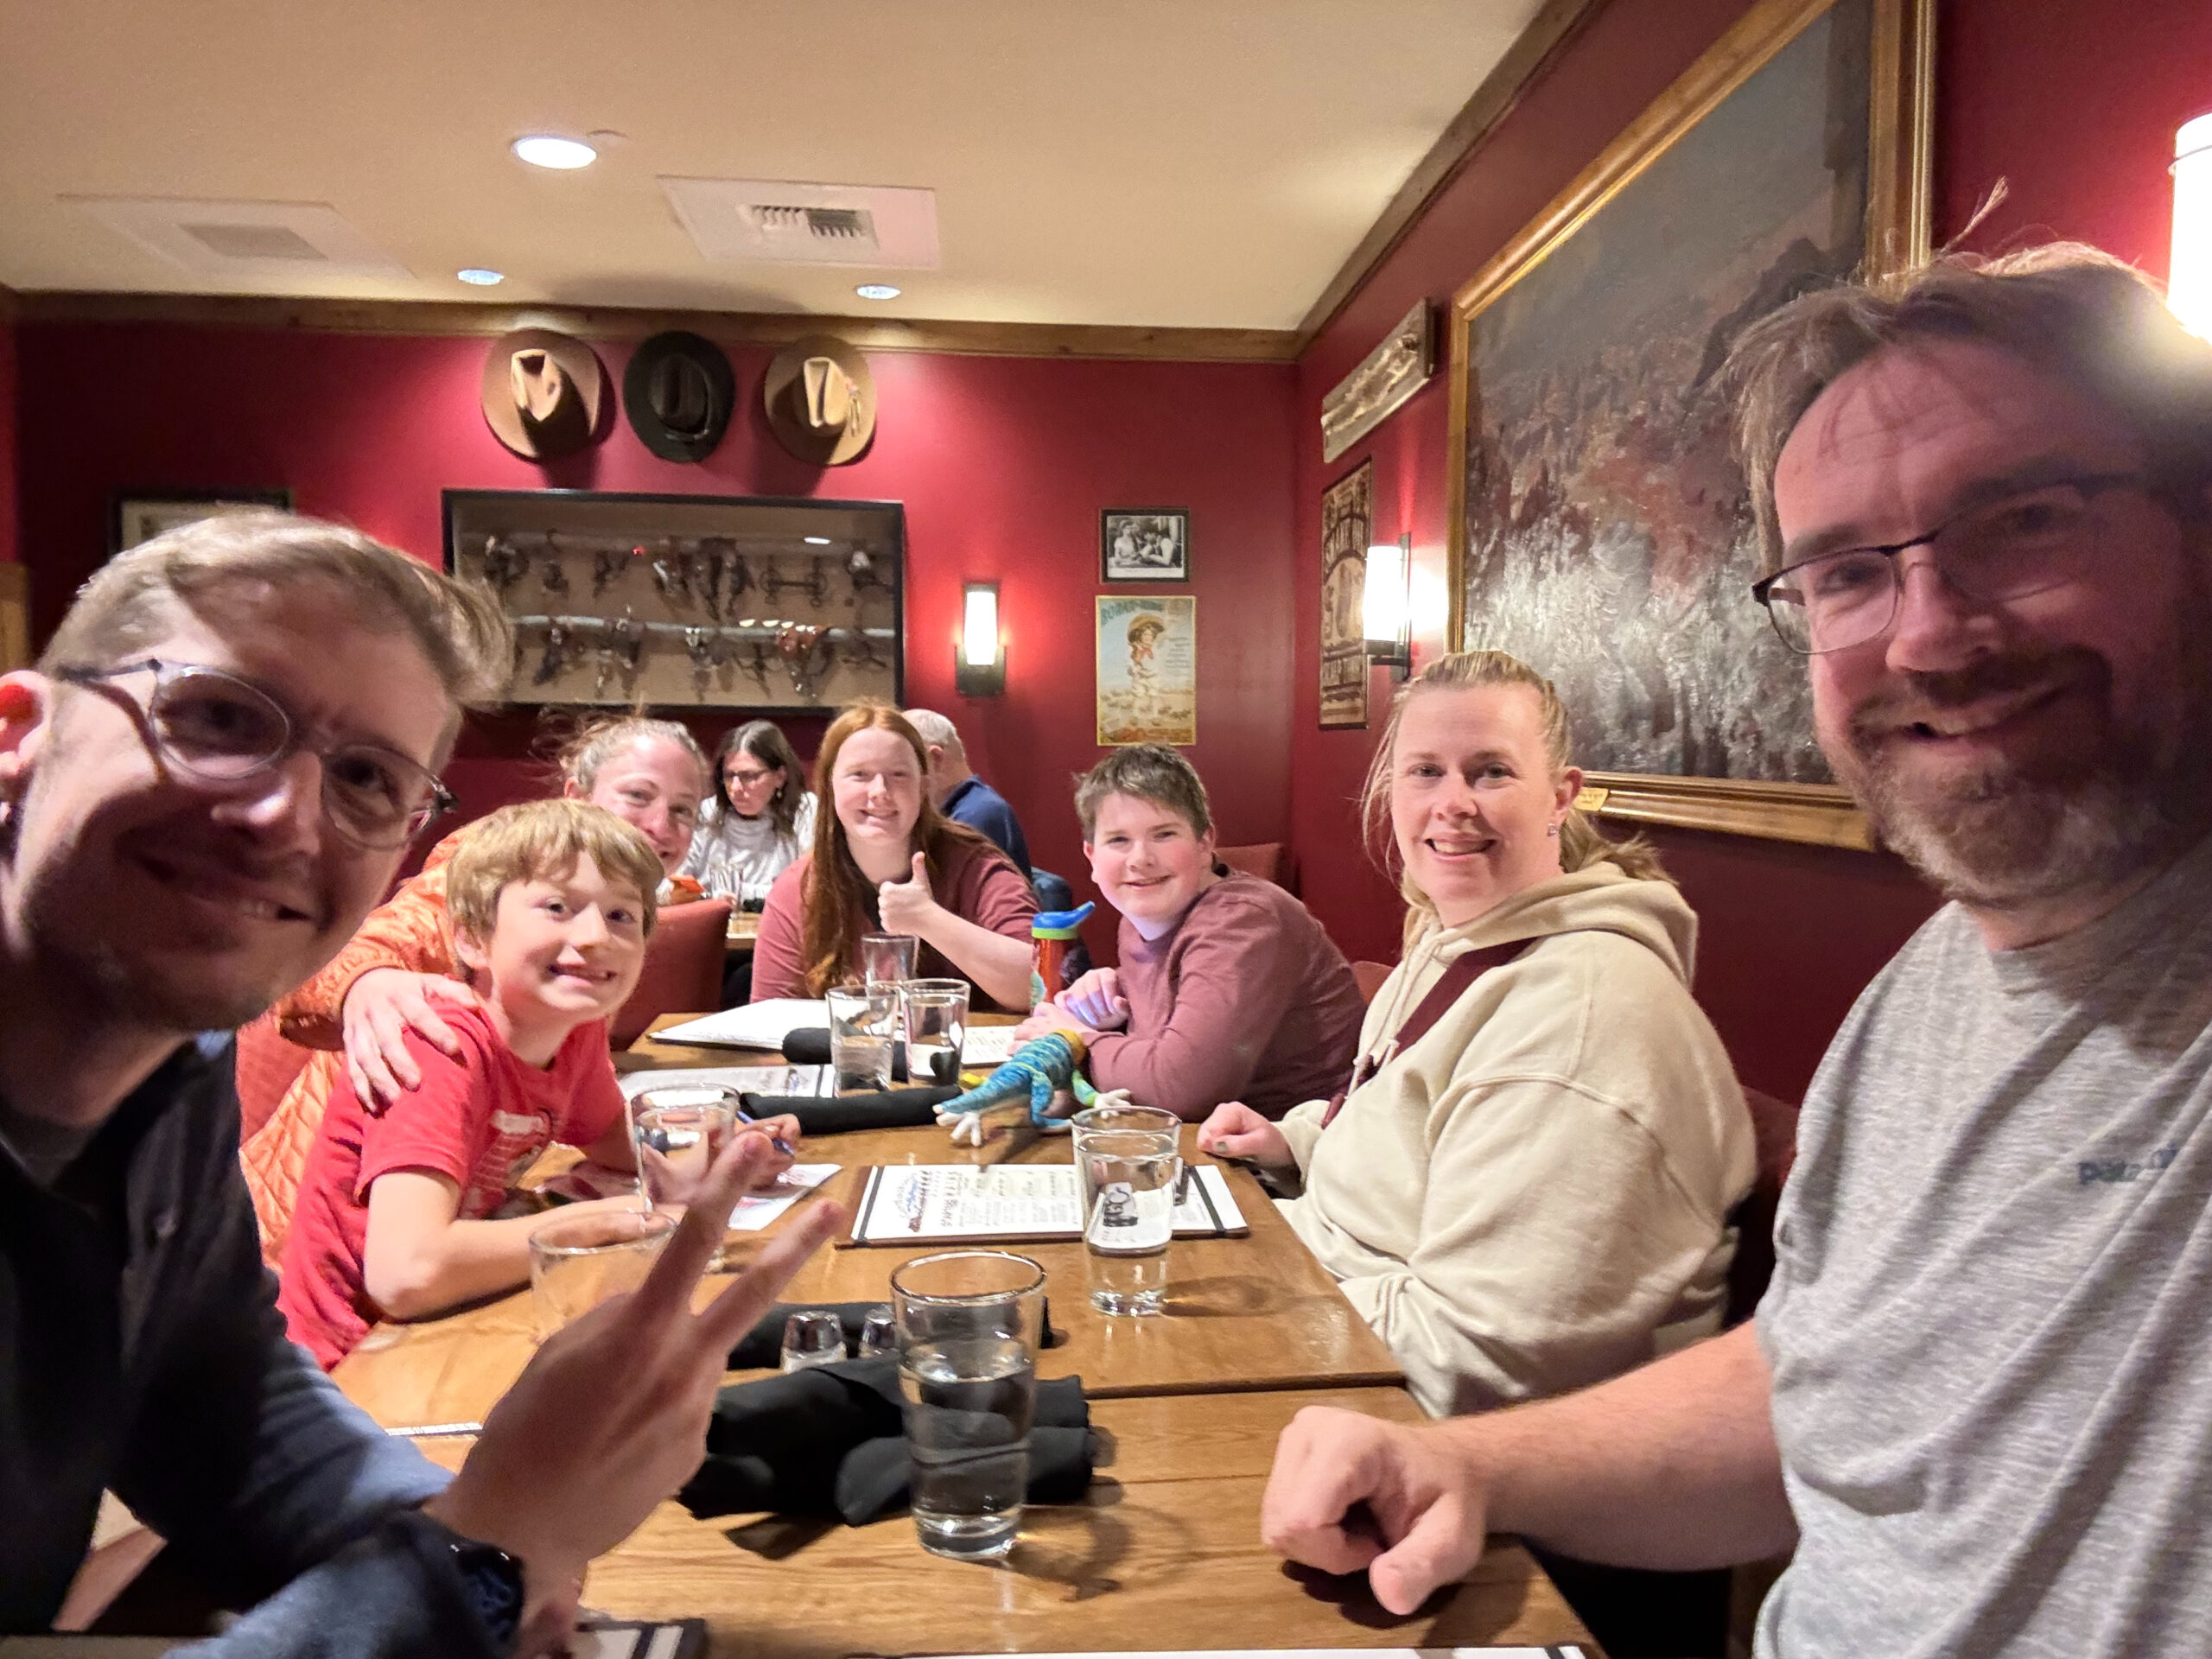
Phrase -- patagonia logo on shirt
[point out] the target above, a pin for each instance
(2095, 1172)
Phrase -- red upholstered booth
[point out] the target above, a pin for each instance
(683, 968)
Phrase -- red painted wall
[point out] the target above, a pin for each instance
(2074, 101)
(1002, 465)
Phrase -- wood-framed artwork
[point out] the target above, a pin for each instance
(1599, 527)
(1144, 544)
(1347, 525)
(141, 515)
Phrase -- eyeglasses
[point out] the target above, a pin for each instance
(220, 728)
(739, 778)
(2022, 544)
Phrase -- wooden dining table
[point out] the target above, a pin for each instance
(1163, 1552)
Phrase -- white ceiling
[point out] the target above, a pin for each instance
(1200, 164)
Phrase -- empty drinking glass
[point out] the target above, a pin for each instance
(813, 1336)
(578, 1262)
(1129, 1165)
(863, 1022)
(886, 959)
(970, 1323)
(936, 1025)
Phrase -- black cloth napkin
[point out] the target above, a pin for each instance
(893, 1108)
(762, 1347)
(831, 1441)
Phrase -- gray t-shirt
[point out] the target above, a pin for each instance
(1991, 1323)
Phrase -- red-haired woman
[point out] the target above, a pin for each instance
(885, 861)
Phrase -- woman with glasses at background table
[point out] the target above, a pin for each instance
(1526, 1188)
(758, 822)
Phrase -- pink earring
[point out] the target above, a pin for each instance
(1551, 829)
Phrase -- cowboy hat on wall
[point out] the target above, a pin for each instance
(543, 393)
(678, 392)
(821, 400)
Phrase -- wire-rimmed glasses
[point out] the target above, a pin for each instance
(2023, 542)
(210, 724)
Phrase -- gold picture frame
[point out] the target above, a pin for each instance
(1897, 46)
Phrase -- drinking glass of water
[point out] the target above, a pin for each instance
(1129, 1165)
(677, 1133)
(578, 1262)
(886, 959)
(970, 1323)
(936, 1025)
(863, 1022)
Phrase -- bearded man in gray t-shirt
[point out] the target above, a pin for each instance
(1977, 1401)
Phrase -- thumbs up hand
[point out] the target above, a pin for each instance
(907, 907)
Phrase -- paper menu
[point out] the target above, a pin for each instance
(757, 1025)
(901, 1203)
(808, 1080)
(756, 1210)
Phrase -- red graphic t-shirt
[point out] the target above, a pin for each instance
(477, 1121)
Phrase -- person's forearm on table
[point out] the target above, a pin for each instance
(412, 1269)
(1673, 1466)
(998, 964)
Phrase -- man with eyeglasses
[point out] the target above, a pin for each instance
(212, 776)
(1977, 1401)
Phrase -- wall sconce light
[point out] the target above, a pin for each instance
(2189, 282)
(1387, 608)
(979, 656)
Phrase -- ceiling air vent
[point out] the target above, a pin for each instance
(243, 240)
(761, 222)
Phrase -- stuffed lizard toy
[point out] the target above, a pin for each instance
(1042, 1080)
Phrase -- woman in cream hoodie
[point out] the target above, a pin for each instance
(1532, 1194)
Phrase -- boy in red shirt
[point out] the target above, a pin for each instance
(551, 902)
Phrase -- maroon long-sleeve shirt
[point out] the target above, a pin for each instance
(1246, 999)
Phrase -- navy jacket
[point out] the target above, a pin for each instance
(141, 1350)
(976, 803)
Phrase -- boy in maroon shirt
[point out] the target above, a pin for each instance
(1228, 988)
(552, 902)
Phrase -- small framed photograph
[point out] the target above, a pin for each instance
(141, 515)
(1144, 544)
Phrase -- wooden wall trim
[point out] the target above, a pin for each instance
(1548, 31)
(613, 323)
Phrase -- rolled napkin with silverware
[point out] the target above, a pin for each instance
(810, 1046)
(890, 1108)
(831, 1441)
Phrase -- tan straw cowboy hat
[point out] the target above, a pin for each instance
(820, 400)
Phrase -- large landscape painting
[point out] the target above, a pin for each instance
(1605, 532)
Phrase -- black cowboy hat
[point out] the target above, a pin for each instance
(678, 391)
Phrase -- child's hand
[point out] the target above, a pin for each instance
(774, 1129)
(1096, 1000)
(380, 1009)
(907, 907)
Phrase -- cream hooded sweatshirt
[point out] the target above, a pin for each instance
(1534, 1195)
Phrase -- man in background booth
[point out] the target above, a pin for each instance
(213, 774)
(1973, 1401)
(956, 791)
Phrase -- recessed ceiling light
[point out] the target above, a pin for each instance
(478, 276)
(817, 541)
(543, 149)
(876, 291)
